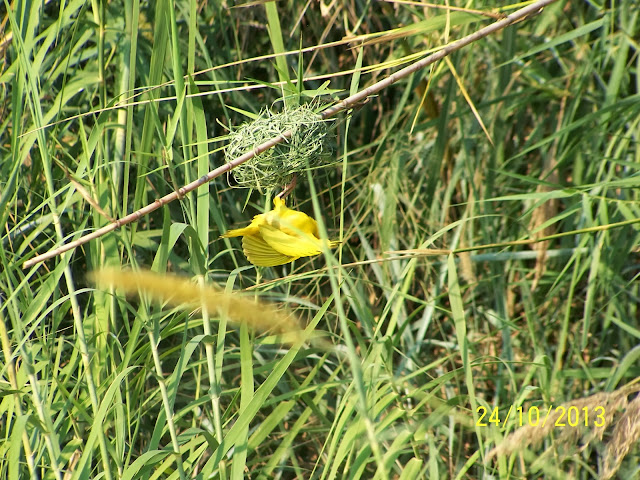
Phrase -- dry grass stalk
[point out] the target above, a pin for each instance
(547, 210)
(626, 434)
(540, 216)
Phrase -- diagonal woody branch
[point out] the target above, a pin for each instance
(346, 104)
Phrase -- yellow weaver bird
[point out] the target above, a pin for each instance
(280, 236)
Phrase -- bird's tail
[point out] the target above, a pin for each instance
(238, 232)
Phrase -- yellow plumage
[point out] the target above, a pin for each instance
(280, 236)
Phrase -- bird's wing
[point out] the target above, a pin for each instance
(290, 245)
(261, 254)
(294, 223)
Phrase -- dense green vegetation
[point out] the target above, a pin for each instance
(488, 208)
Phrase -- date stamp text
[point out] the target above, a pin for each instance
(560, 416)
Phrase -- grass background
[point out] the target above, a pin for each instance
(109, 105)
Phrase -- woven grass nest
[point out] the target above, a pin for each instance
(309, 146)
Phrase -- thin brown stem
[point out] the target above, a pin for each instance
(289, 188)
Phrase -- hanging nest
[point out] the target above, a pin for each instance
(309, 146)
